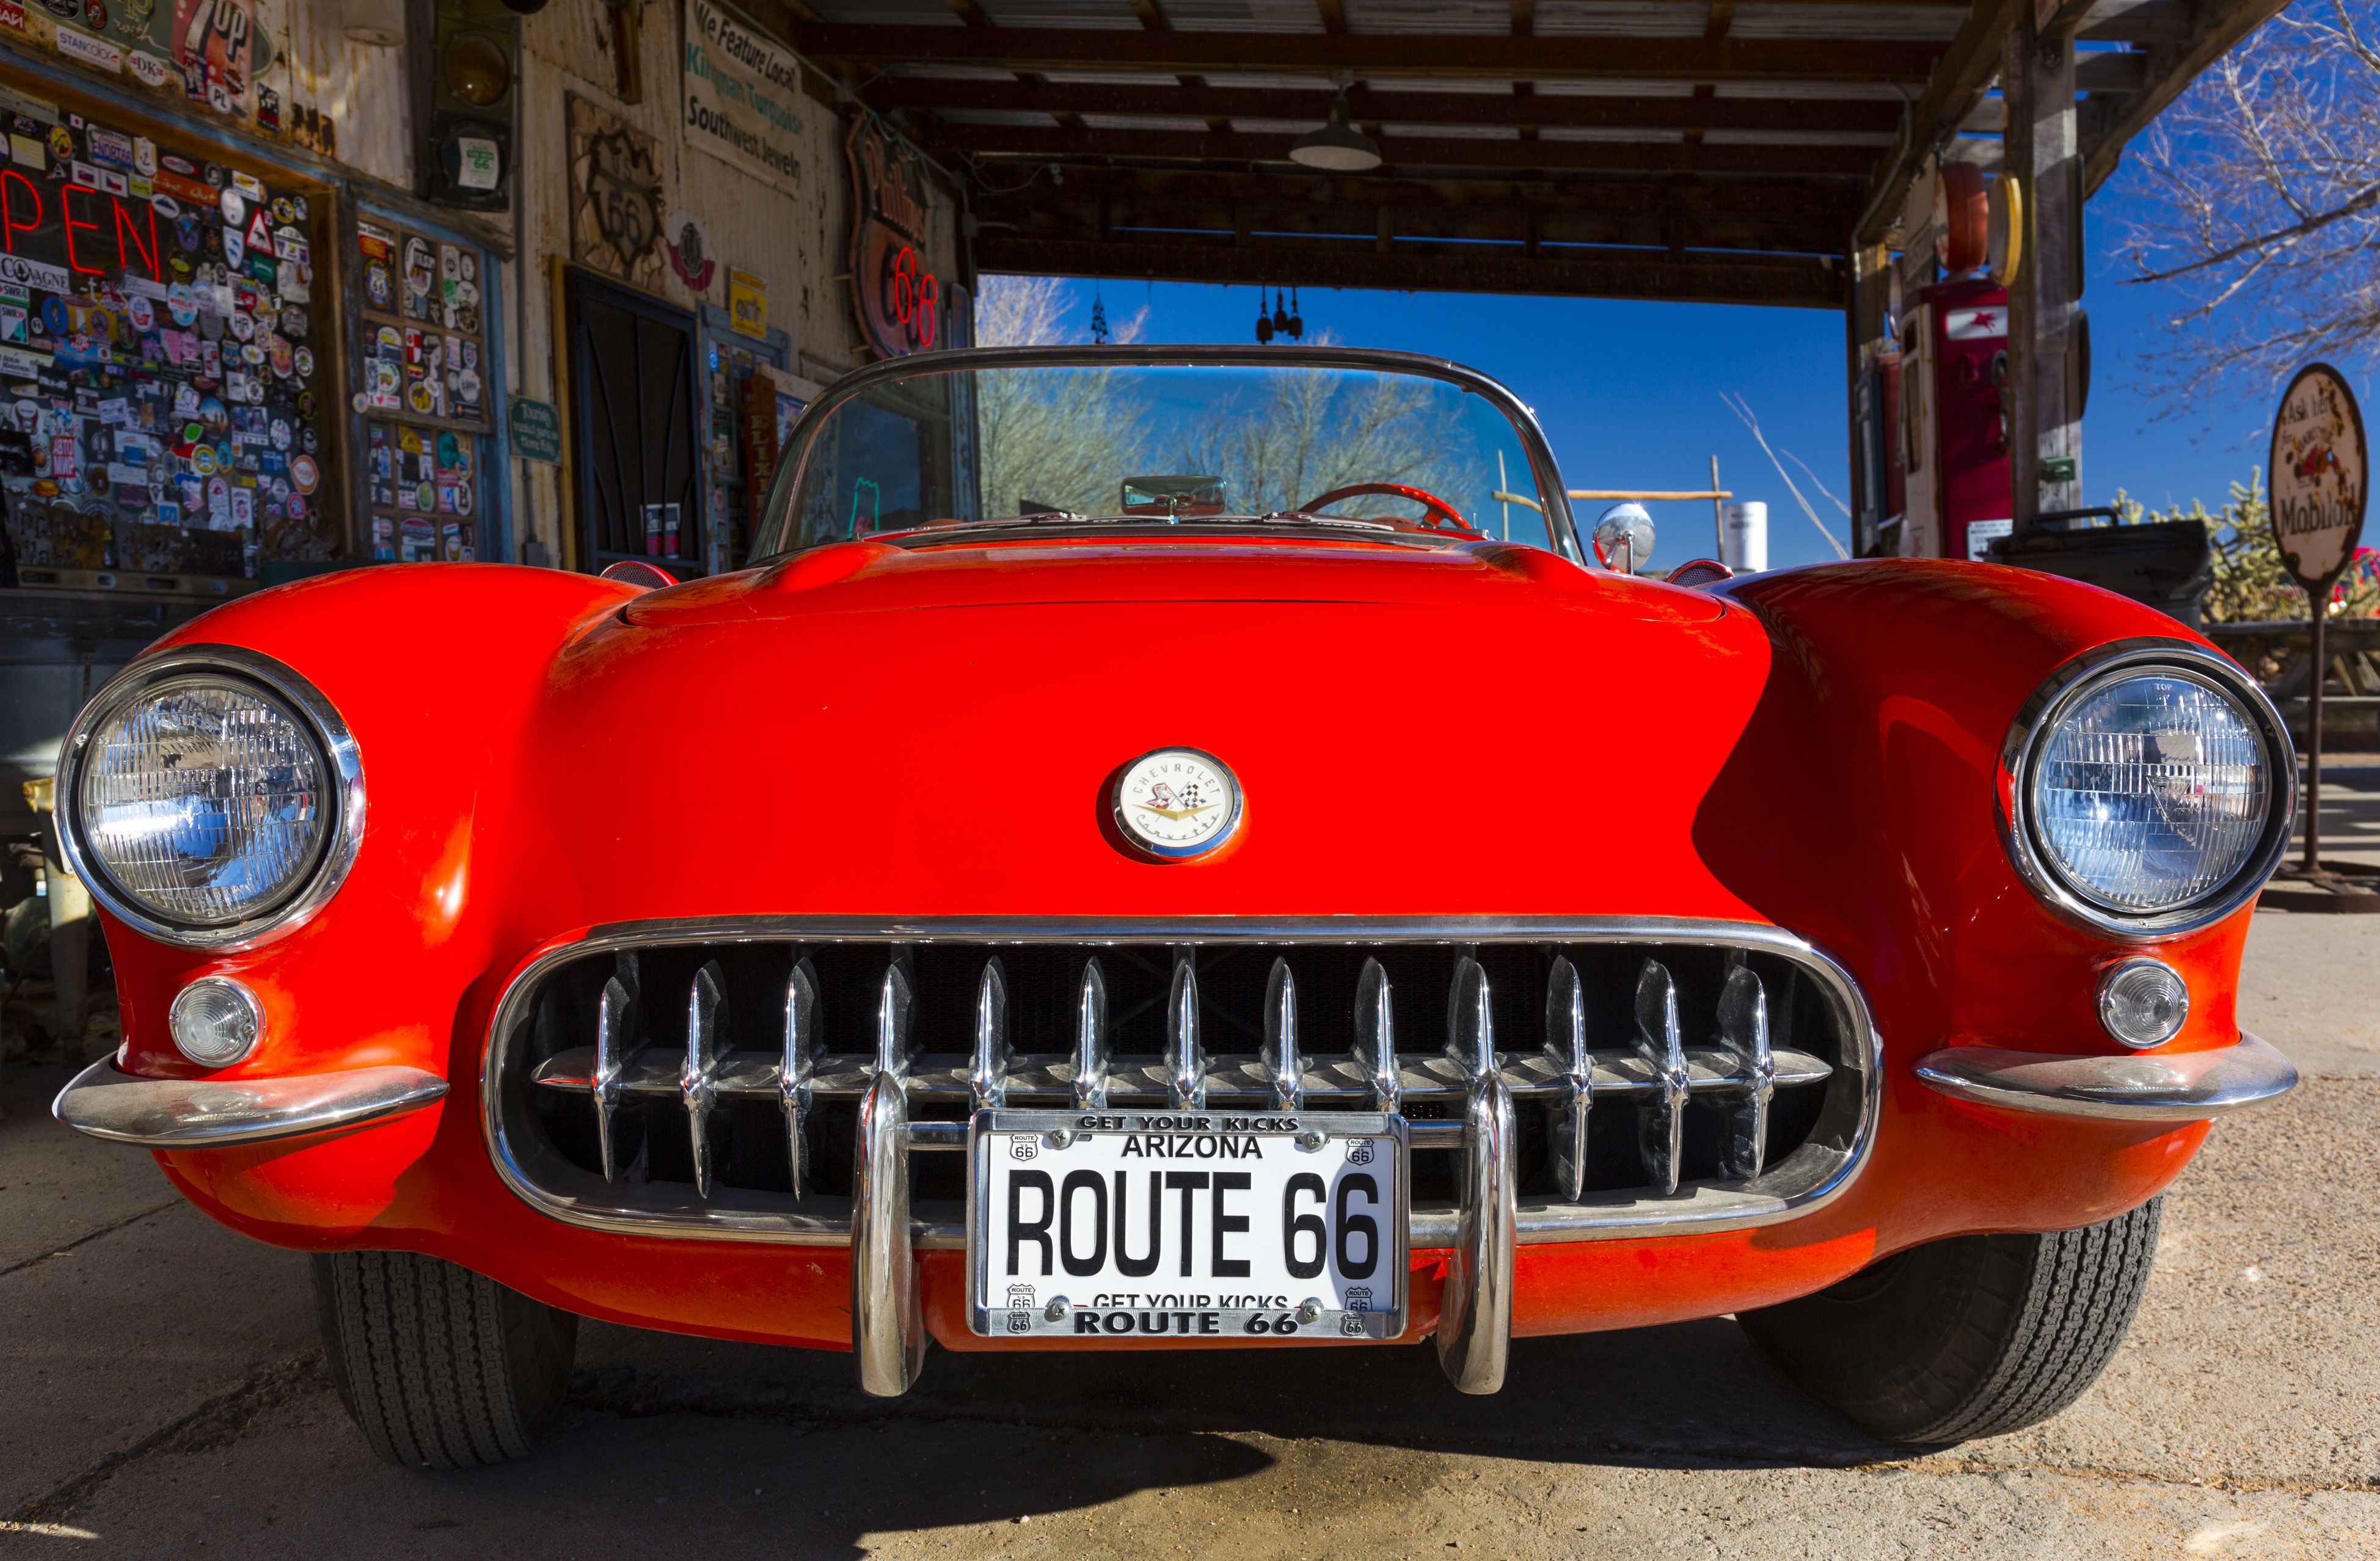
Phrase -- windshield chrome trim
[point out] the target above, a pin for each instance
(802, 436)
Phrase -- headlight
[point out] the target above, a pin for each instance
(2154, 789)
(210, 798)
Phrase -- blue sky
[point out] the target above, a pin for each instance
(1630, 392)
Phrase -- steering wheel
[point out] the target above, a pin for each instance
(1441, 514)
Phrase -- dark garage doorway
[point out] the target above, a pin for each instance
(634, 421)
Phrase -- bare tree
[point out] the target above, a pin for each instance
(1026, 311)
(1059, 438)
(2258, 206)
(1314, 430)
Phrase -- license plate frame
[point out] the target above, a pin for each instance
(1374, 1318)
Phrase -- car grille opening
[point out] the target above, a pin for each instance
(1651, 1074)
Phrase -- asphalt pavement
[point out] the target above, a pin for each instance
(163, 1395)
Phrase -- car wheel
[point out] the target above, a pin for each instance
(1972, 1336)
(441, 1368)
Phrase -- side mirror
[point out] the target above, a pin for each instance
(1623, 538)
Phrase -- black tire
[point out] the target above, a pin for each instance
(439, 1367)
(1976, 1335)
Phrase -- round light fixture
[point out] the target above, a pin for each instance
(2149, 789)
(1338, 147)
(210, 798)
(2143, 1002)
(215, 1022)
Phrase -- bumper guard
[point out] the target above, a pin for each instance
(2184, 1087)
(106, 1102)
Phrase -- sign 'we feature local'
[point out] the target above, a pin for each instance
(741, 91)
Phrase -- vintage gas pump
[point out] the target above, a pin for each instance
(1954, 387)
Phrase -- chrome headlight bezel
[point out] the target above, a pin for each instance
(2078, 680)
(343, 766)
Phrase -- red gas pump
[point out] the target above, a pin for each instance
(1954, 383)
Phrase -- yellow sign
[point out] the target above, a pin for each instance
(747, 303)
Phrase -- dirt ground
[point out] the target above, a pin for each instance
(163, 1394)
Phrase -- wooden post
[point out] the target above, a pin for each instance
(2042, 152)
(2318, 598)
(1718, 520)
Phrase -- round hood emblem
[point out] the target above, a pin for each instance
(1177, 804)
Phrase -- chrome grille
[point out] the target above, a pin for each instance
(704, 1078)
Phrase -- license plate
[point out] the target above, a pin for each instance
(1251, 1227)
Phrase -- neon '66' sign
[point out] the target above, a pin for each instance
(896, 299)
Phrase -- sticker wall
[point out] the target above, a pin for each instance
(161, 373)
(422, 392)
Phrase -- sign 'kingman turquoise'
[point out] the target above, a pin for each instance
(740, 90)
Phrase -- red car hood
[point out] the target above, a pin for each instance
(867, 730)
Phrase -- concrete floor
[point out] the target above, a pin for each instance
(163, 1395)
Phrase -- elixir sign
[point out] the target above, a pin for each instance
(2321, 480)
(739, 91)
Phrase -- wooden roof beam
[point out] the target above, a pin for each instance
(1798, 282)
(1408, 152)
(1618, 190)
(1966, 69)
(2167, 69)
(1489, 56)
(937, 94)
(1078, 219)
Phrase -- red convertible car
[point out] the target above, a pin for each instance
(1183, 849)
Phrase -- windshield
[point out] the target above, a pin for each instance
(1360, 449)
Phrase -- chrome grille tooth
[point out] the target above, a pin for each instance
(896, 1005)
(1743, 1035)
(1573, 1067)
(1375, 1036)
(804, 1046)
(1091, 1041)
(994, 1056)
(634, 1070)
(1185, 1057)
(618, 1039)
(1470, 1022)
(707, 1046)
(1661, 1121)
(1285, 1070)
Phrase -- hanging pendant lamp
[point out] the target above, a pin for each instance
(1338, 147)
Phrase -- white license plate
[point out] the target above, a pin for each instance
(1245, 1225)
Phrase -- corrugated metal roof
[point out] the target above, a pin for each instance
(1568, 133)
(1797, 138)
(1865, 90)
(1621, 19)
(888, 13)
(1846, 21)
(1143, 122)
(1243, 15)
(1061, 13)
(1455, 132)
(1429, 16)
(1615, 89)
(998, 117)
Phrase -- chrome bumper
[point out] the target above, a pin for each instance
(105, 1102)
(2189, 1086)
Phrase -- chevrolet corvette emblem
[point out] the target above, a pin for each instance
(1177, 805)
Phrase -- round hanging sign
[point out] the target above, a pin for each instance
(304, 475)
(2322, 471)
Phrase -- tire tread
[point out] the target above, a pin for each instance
(1975, 1335)
(439, 1367)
